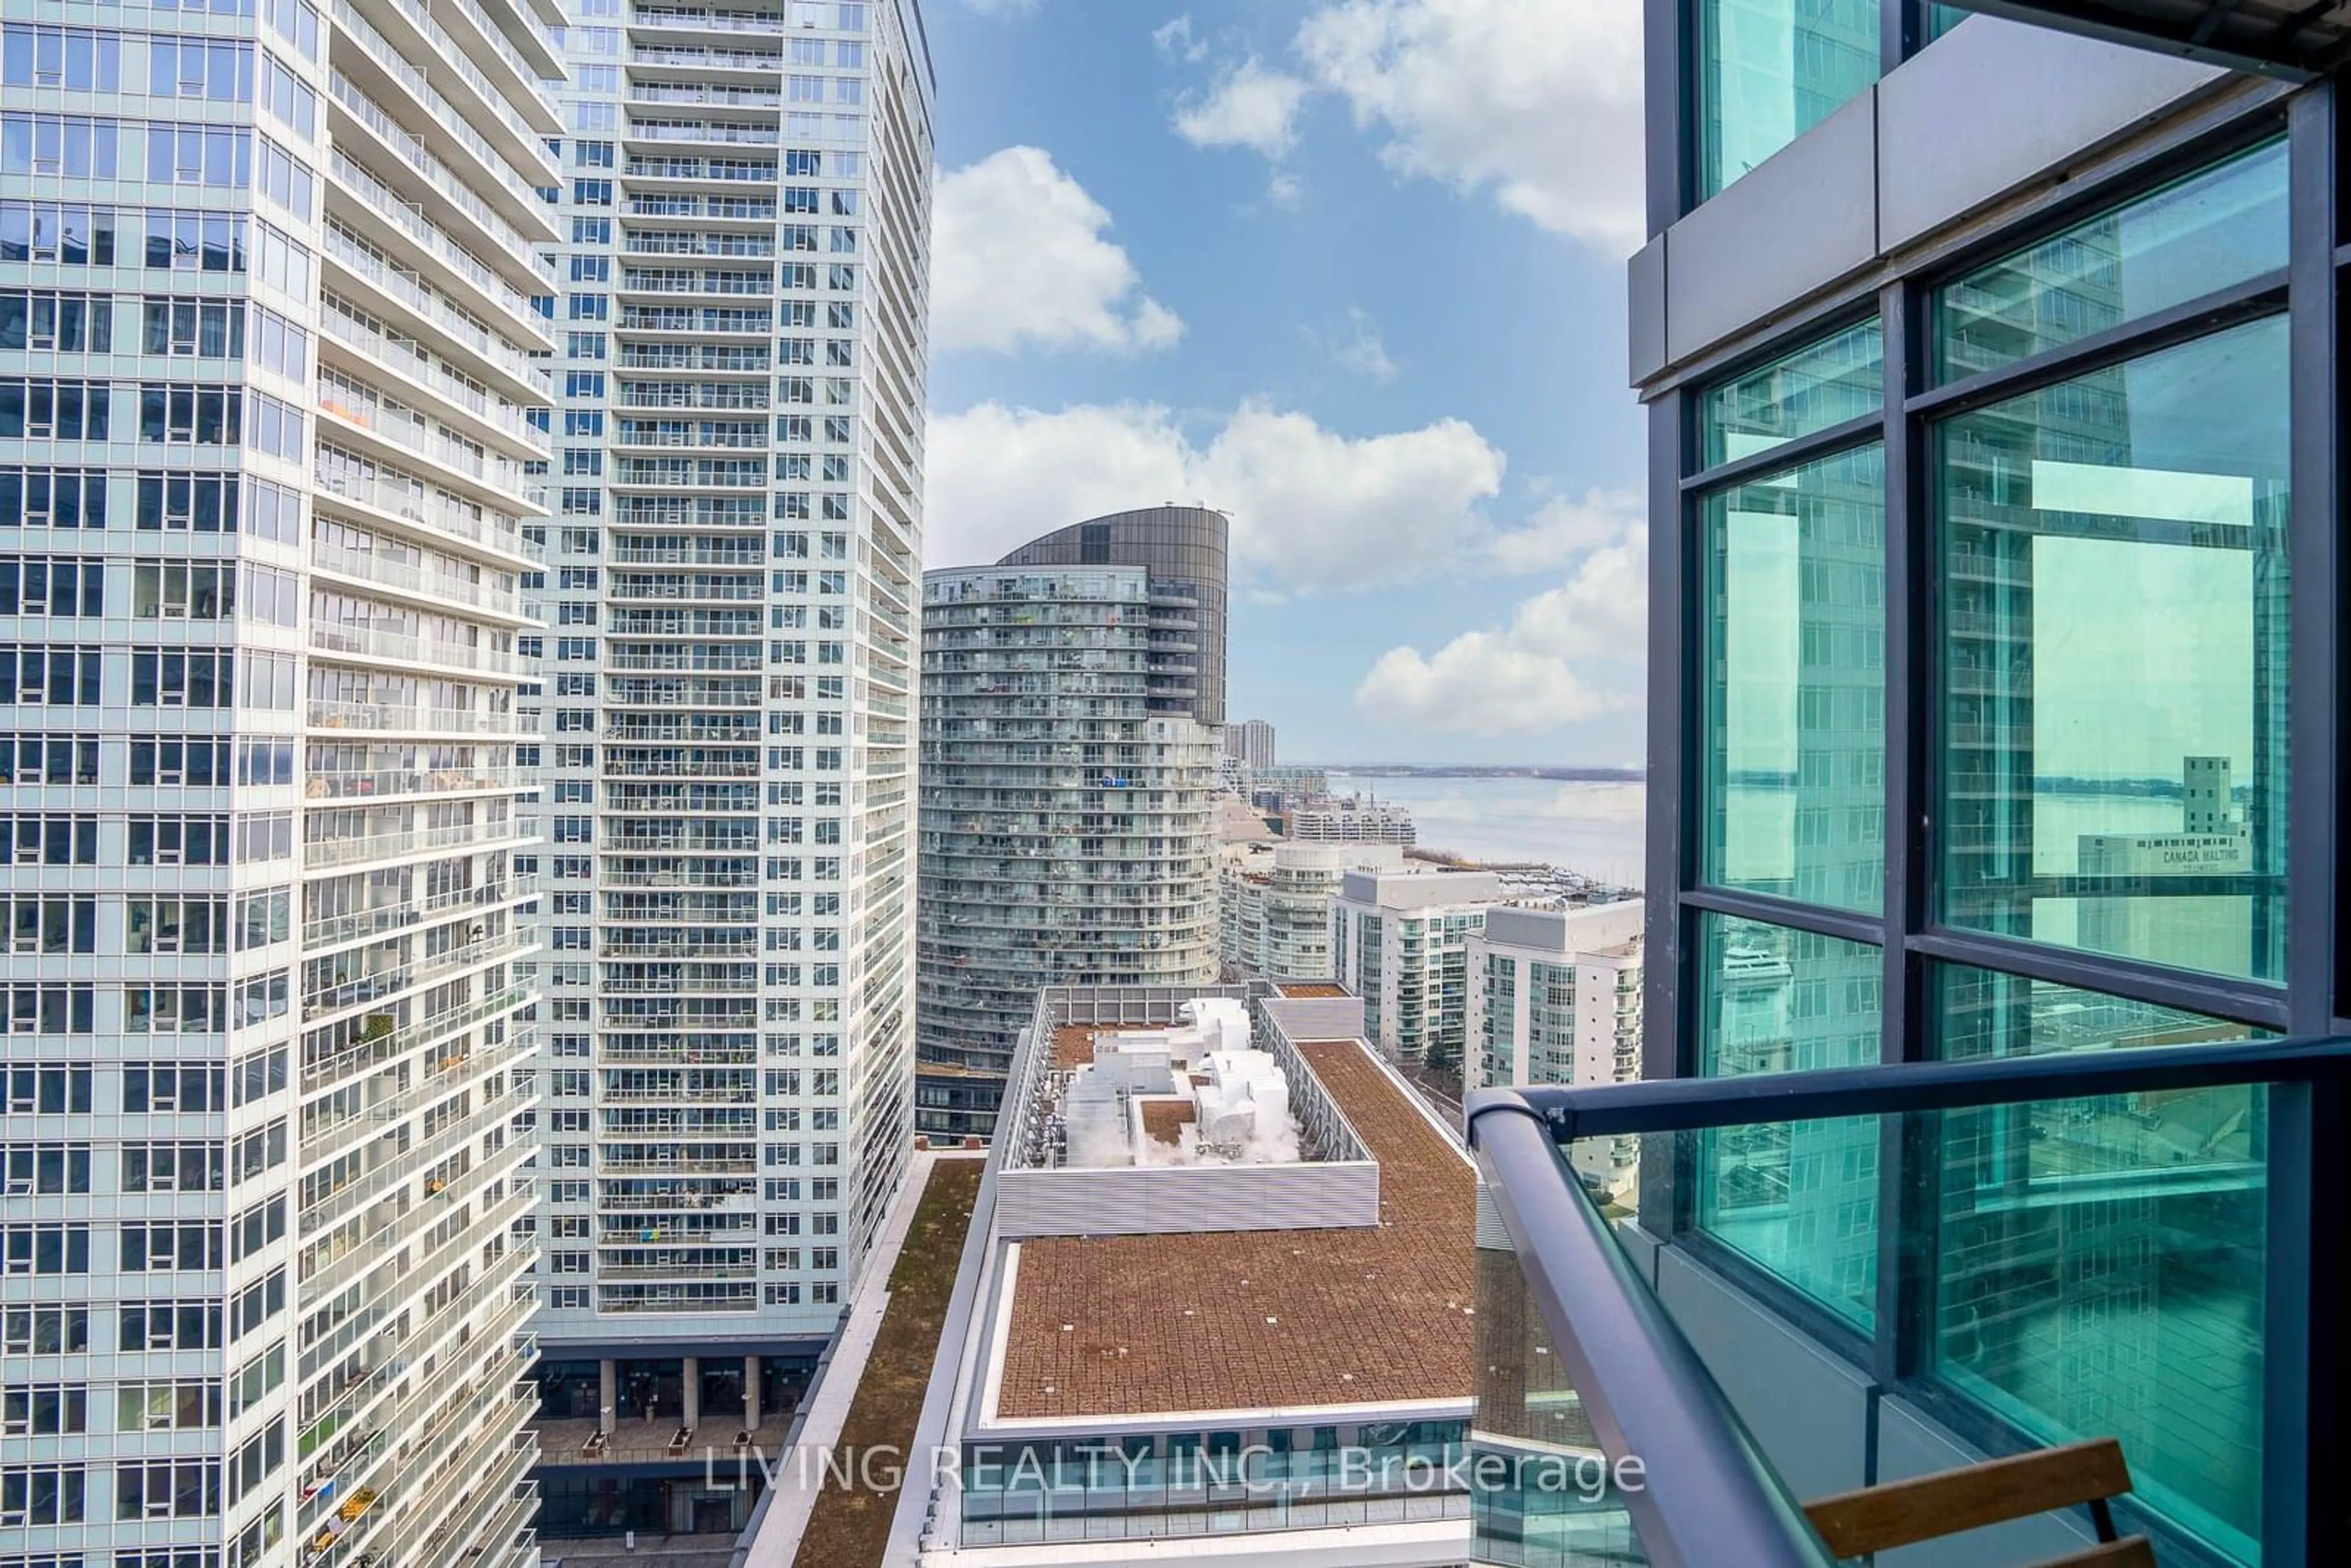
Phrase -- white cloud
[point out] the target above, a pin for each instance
(1316, 509)
(1311, 509)
(1285, 190)
(1570, 652)
(1565, 526)
(1172, 38)
(1360, 353)
(1246, 106)
(1018, 259)
(1003, 8)
(995, 477)
(1479, 684)
(1540, 99)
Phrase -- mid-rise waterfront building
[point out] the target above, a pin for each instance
(1251, 744)
(1323, 820)
(1277, 782)
(1273, 1368)
(1555, 997)
(1997, 508)
(1400, 940)
(267, 421)
(1273, 904)
(740, 315)
(1068, 771)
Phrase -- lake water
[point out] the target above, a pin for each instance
(1596, 828)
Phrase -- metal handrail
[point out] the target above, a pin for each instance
(1705, 1485)
(1643, 1386)
(1687, 1104)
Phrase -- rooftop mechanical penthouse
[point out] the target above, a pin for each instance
(1219, 1291)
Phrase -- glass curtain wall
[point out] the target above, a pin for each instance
(2084, 493)
(2100, 1260)
(1798, 1197)
(1770, 70)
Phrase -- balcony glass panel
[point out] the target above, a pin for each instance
(1796, 662)
(2222, 226)
(2101, 1261)
(2114, 659)
(1770, 70)
(2085, 1268)
(1542, 1494)
(1821, 384)
(1800, 1198)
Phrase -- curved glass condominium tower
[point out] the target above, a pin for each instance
(1068, 759)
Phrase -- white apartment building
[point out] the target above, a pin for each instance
(266, 396)
(1400, 940)
(740, 314)
(1327, 821)
(1274, 904)
(1275, 784)
(1555, 997)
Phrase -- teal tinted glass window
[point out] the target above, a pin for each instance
(1795, 757)
(1770, 70)
(2100, 1260)
(1941, 20)
(2114, 659)
(1840, 378)
(2213, 229)
(1798, 1197)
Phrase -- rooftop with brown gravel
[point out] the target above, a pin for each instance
(1136, 1326)
(1073, 1044)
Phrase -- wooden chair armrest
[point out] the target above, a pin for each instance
(1903, 1513)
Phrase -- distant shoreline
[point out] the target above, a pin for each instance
(1404, 771)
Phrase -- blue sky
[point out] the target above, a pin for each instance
(1351, 270)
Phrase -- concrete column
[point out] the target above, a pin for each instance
(692, 1381)
(750, 1393)
(608, 1392)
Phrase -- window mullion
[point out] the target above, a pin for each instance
(1908, 1171)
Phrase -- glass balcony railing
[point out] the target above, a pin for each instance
(2080, 1278)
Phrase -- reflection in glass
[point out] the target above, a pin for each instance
(2101, 1261)
(1821, 384)
(2114, 658)
(1798, 1197)
(1795, 760)
(2222, 226)
(1769, 71)
(1538, 1496)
